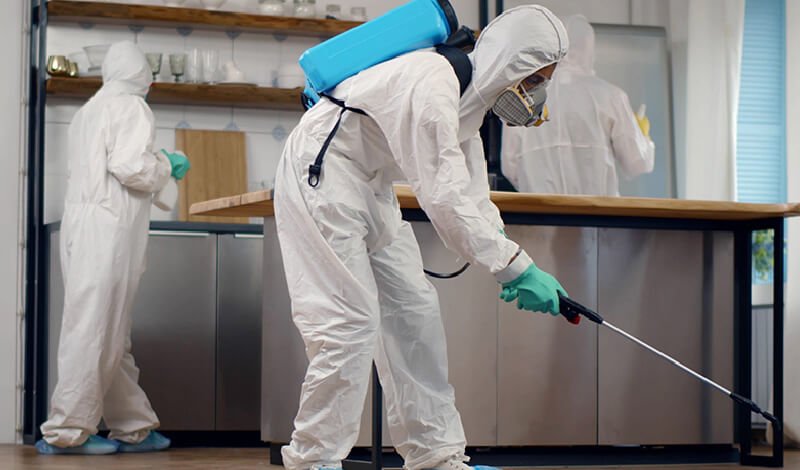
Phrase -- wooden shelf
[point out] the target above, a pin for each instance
(63, 11)
(287, 99)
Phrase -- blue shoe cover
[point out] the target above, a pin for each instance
(95, 445)
(154, 442)
(484, 467)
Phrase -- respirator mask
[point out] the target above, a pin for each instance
(521, 106)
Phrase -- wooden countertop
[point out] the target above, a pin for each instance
(259, 204)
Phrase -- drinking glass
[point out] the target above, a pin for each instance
(210, 66)
(154, 59)
(177, 65)
(194, 66)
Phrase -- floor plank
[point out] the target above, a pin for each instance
(26, 458)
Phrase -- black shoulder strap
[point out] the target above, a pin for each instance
(315, 169)
(460, 62)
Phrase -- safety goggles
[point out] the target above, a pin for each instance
(533, 81)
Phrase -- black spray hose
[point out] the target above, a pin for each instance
(448, 275)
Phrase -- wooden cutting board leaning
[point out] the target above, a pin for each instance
(219, 169)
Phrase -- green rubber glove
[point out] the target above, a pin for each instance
(180, 164)
(534, 290)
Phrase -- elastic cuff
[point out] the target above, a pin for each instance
(515, 269)
(134, 438)
(435, 457)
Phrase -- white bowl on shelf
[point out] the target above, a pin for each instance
(96, 54)
(212, 4)
(272, 9)
(174, 3)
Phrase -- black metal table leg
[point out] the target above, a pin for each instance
(776, 459)
(744, 321)
(742, 281)
(377, 430)
(377, 421)
(777, 342)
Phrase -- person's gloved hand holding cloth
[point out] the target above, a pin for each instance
(534, 289)
(180, 164)
(643, 121)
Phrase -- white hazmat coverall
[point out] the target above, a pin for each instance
(113, 174)
(592, 128)
(353, 266)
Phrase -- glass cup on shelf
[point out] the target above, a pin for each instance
(358, 14)
(177, 65)
(154, 59)
(305, 8)
(194, 66)
(272, 7)
(210, 66)
(333, 11)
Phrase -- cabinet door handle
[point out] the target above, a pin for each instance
(175, 233)
(255, 236)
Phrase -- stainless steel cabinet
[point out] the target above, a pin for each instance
(674, 290)
(174, 329)
(283, 355)
(469, 314)
(529, 379)
(239, 332)
(547, 376)
(196, 330)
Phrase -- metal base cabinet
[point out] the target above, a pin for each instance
(196, 328)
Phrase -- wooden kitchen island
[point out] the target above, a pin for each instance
(675, 273)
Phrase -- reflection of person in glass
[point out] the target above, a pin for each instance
(592, 129)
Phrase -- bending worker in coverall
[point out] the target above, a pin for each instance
(353, 266)
(592, 129)
(113, 175)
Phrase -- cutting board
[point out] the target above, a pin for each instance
(219, 169)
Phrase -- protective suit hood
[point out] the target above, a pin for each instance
(581, 40)
(126, 71)
(514, 45)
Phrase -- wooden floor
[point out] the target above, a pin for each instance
(26, 458)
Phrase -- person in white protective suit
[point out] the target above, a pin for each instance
(592, 129)
(353, 266)
(113, 174)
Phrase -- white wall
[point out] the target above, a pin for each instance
(11, 129)
(679, 45)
